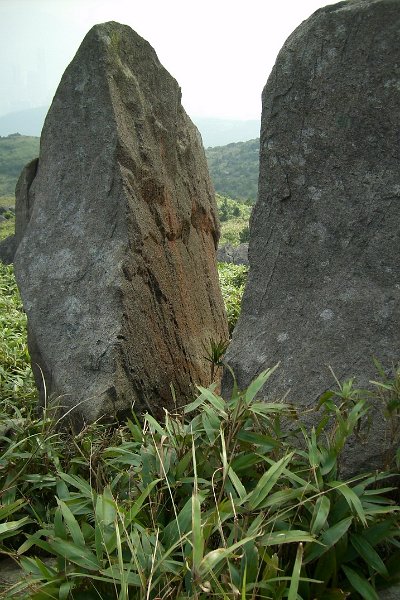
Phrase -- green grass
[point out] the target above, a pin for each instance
(217, 501)
(16, 380)
(7, 201)
(7, 227)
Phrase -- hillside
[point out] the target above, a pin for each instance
(15, 151)
(234, 169)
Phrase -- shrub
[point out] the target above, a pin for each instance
(232, 280)
(215, 502)
(244, 235)
(16, 380)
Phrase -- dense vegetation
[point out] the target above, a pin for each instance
(234, 169)
(15, 152)
(7, 217)
(234, 217)
(217, 502)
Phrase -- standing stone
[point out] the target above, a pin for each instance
(117, 266)
(324, 282)
(23, 210)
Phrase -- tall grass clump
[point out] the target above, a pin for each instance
(232, 281)
(218, 501)
(16, 380)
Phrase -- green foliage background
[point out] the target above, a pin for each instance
(15, 152)
(234, 217)
(234, 169)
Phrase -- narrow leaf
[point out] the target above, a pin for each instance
(286, 537)
(320, 514)
(352, 499)
(239, 487)
(72, 524)
(295, 579)
(258, 383)
(268, 480)
(371, 557)
(213, 558)
(360, 584)
(197, 534)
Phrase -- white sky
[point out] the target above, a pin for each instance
(220, 51)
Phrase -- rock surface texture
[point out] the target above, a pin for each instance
(324, 282)
(237, 255)
(117, 264)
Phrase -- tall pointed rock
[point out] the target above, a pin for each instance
(117, 263)
(324, 284)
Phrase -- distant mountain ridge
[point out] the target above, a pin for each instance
(219, 132)
(27, 122)
(214, 132)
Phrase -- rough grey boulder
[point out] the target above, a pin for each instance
(7, 249)
(324, 282)
(117, 264)
(391, 593)
(24, 199)
(23, 210)
(237, 255)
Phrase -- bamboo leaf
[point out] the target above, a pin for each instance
(360, 584)
(8, 529)
(327, 539)
(109, 507)
(72, 524)
(137, 505)
(216, 401)
(239, 487)
(256, 385)
(268, 408)
(320, 514)
(286, 537)
(126, 575)
(78, 483)
(295, 579)
(351, 498)
(371, 557)
(155, 425)
(83, 557)
(213, 558)
(267, 481)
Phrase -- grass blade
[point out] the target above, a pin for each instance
(294, 583)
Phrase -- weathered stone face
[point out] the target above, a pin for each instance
(117, 265)
(324, 283)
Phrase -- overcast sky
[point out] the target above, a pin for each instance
(220, 51)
